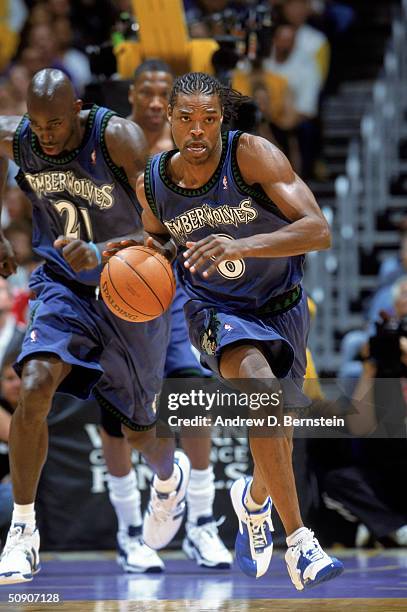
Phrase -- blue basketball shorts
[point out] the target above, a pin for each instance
(118, 362)
(283, 338)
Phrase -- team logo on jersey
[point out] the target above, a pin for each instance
(228, 327)
(33, 335)
(209, 338)
(93, 157)
(225, 182)
(206, 215)
(57, 181)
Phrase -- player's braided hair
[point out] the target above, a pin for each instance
(200, 82)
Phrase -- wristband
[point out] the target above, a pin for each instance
(98, 253)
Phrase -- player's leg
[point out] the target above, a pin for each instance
(133, 555)
(28, 444)
(307, 563)
(166, 507)
(202, 541)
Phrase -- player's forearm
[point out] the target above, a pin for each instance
(302, 236)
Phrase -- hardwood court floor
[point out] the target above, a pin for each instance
(374, 581)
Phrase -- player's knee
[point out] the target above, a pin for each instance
(37, 390)
(140, 440)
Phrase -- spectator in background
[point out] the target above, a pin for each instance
(16, 207)
(308, 40)
(18, 233)
(43, 39)
(304, 80)
(11, 334)
(75, 62)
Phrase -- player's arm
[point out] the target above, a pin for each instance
(8, 126)
(262, 163)
(128, 150)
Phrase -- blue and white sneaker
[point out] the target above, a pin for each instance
(165, 511)
(133, 554)
(254, 543)
(308, 565)
(20, 559)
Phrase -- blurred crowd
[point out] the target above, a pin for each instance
(282, 53)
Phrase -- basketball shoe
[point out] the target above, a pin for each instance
(254, 542)
(308, 565)
(20, 559)
(165, 511)
(134, 556)
(203, 544)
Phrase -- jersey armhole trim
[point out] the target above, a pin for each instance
(257, 193)
(16, 141)
(148, 187)
(118, 172)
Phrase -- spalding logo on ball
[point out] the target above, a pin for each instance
(137, 284)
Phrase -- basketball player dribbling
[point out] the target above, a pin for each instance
(79, 168)
(148, 95)
(243, 220)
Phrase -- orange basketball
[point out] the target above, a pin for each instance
(137, 284)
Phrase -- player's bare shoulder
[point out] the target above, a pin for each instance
(123, 137)
(8, 127)
(259, 160)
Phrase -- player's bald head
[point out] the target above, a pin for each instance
(50, 87)
(54, 111)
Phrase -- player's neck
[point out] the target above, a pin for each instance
(78, 132)
(193, 176)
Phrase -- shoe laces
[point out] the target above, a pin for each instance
(162, 505)
(15, 540)
(258, 524)
(310, 548)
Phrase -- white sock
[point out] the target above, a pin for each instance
(200, 494)
(249, 502)
(299, 534)
(169, 485)
(24, 513)
(126, 499)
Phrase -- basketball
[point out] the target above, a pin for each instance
(137, 284)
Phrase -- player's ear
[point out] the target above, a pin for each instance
(169, 114)
(77, 106)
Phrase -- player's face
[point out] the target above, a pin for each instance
(149, 96)
(196, 121)
(54, 125)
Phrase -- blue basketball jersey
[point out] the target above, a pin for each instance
(225, 205)
(81, 194)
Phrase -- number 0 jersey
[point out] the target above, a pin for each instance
(81, 193)
(228, 206)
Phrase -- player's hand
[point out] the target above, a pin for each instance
(79, 254)
(209, 252)
(168, 248)
(114, 247)
(8, 264)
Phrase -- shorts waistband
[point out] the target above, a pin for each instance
(78, 288)
(280, 303)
